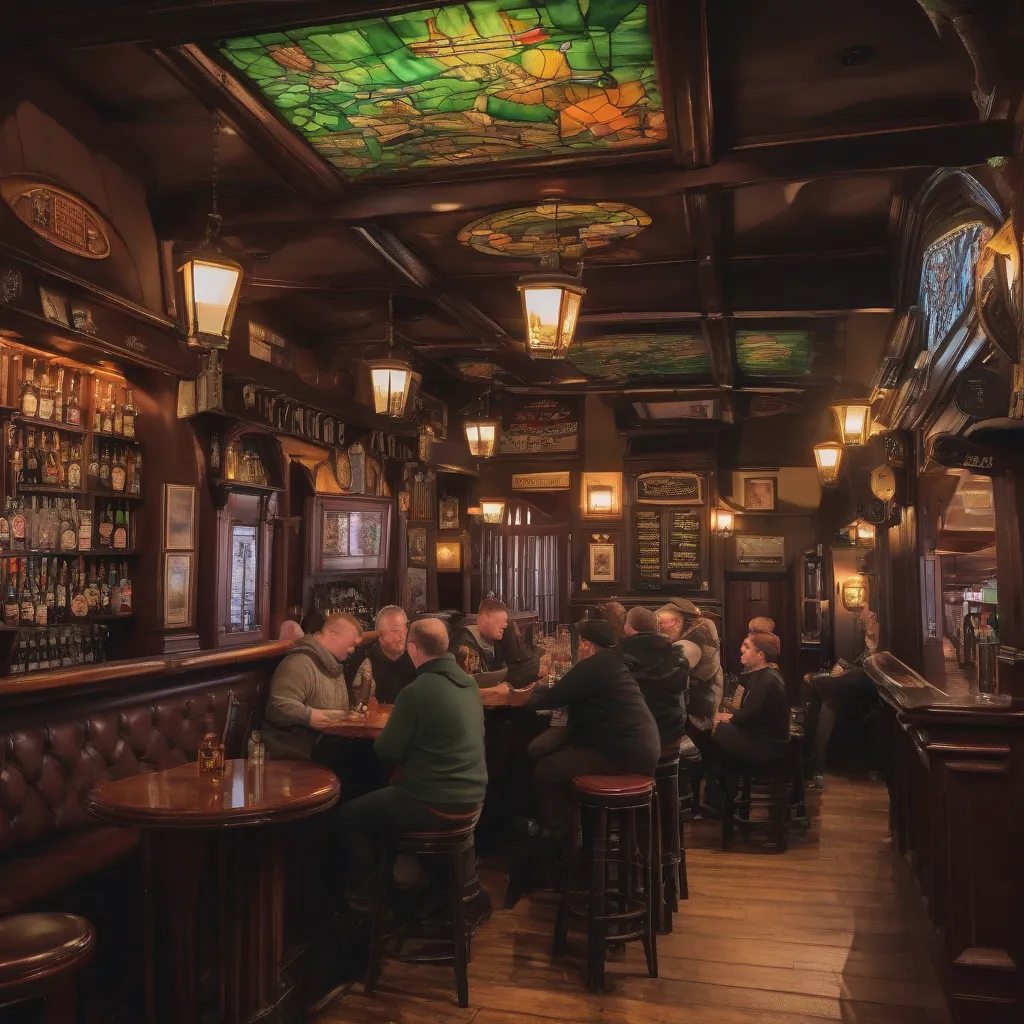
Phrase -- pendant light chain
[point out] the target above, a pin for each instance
(215, 220)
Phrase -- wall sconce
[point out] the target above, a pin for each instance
(854, 420)
(828, 456)
(482, 437)
(865, 532)
(723, 522)
(854, 593)
(600, 499)
(493, 510)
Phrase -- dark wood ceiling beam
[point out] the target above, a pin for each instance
(907, 148)
(271, 139)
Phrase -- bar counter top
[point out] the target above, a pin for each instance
(913, 696)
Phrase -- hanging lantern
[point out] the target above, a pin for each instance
(551, 309)
(493, 510)
(828, 455)
(393, 383)
(482, 436)
(723, 522)
(865, 532)
(601, 500)
(209, 284)
(854, 419)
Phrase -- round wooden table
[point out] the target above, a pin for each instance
(213, 900)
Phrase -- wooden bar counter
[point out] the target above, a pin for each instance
(955, 771)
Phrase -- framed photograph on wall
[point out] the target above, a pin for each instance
(179, 517)
(760, 493)
(347, 534)
(602, 558)
(448, 514)
(449, 556)
(417, 541)
(177, 589)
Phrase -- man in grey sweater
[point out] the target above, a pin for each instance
(308, 692)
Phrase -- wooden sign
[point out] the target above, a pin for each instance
(956, 453)
(58, 216)
(766, 551)
(647, 546)
(982, 394)
(684, 547)
(541, 481)
(883, 482)
(669, 489)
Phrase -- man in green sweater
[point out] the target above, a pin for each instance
(435, 737)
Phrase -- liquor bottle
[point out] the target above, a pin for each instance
(105, 467)
(118, 412)
(79, 598)
(63, 458)
(54, 652)
(46, 396)
(19, 527)
(66, 655)
(29, 391)
(58, 396)
(104, 584)
(93, 471)
(115, 590)
(69, 527)
(60, 603)
(73, 468)
(126, 589)
(108, 412)
(97, 406)
(31, 475)
(40, 611)
(88, 653)
(120, 537)
(44, 652)
(12, 607)
(135, 484)
(73, 408)
(48, 462)
(5, 526)
(129, 414)
(23, 654)
(33, 654)
(84, 529)
(118, 471)
(211, 750)
(28, 609)
(50, 586)
(106, 528)
(92, 590)
(16, 441)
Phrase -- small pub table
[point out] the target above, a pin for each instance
(214, 885)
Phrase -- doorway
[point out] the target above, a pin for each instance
(772, 596)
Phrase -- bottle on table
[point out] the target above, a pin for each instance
(211, 750)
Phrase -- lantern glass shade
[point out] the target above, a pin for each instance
(854, 419)
(723, 522)
(865, 532)
(493, 510)
(829, 456)
(393, 383)
(482, 437)
(854, 593)
(551, 309)
(600, 499)
(210, 283)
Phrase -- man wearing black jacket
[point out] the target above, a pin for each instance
(610, 729)
(660, 671)
(490, 644)
(759, 731)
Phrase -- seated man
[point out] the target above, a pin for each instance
(610, 729)
(308, 692)
(614, 613)
(682, 622)
(489, 645)
(436, 738)
(660, 671)
(758, 732)
(387, 669)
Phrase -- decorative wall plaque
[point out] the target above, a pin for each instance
(982, 394)
(883, 482)
(669, 489)
(541, 481)
(872, 511)
(957, 453)
(57, 216)
(753, 550)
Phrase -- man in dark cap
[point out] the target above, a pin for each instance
(610, 729)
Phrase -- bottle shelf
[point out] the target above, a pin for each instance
(56, 489)
(73, 553)
(95, 619)
(118, 438)
(99, 492)
(33, 421)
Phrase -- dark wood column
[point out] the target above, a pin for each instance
(1008, 495)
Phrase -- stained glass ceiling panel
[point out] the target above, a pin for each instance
(487, 81)
(625, 357)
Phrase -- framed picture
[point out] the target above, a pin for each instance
(759, 493)
(179, 517)
(177, 589)
(602, 559)
(448, 514)
(416, 591)
(449, 556)
(55, 307)
(417, 541)
(347, 533)
(763, 551)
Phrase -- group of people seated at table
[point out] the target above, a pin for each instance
(641, 686)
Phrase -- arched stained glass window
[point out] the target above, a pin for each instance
(947, 279)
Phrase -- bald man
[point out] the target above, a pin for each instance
(436, 736)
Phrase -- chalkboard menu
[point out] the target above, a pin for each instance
(684, 547)
(647, 543)
(670, 548)
(669, 488)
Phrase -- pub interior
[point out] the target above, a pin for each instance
(486, 482)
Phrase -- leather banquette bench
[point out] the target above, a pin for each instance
(63, 733)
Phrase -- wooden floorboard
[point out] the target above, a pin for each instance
(812, 935)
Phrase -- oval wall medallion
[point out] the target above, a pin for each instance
(57, 216)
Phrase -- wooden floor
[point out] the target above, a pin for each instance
(813, 935)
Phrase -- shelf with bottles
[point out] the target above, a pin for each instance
(65, 645)
(63, 527)
(114, 471)
(54, 490)
(86, 620)
(34, 421)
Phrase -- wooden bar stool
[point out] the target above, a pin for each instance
(670, 857)
(40, 956)
(766, 787)
(620, 870)
(388, 937)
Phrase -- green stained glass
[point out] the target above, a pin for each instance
(782, 354)
(477, 82)
(642, 357)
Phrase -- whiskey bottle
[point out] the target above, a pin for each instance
(105, 467)
(118, 412)
(115, 590)
(54, 652)
(211, 750)
(31, 474)
(93, 469)
(126, 589)
(129, 414)
(58, 396)
(108, 412)
(73, 408)
(48, 462)
(46, 396)
(135, 484)
(92, 590)
(16, 442)
(97, 406)
(51, 591)
(118, 471)
(84, 529)
(69, 527)
(106, 529)
(28, 609)
(73, 468)
(29, 391)
(12, 607)
(19, 527)
(120, 537)
(5, 527)
(79, 599)
(61, 597)
(33, 654)
(104, 583)
(40, 612)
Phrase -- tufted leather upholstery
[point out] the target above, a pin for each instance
(49, 765)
